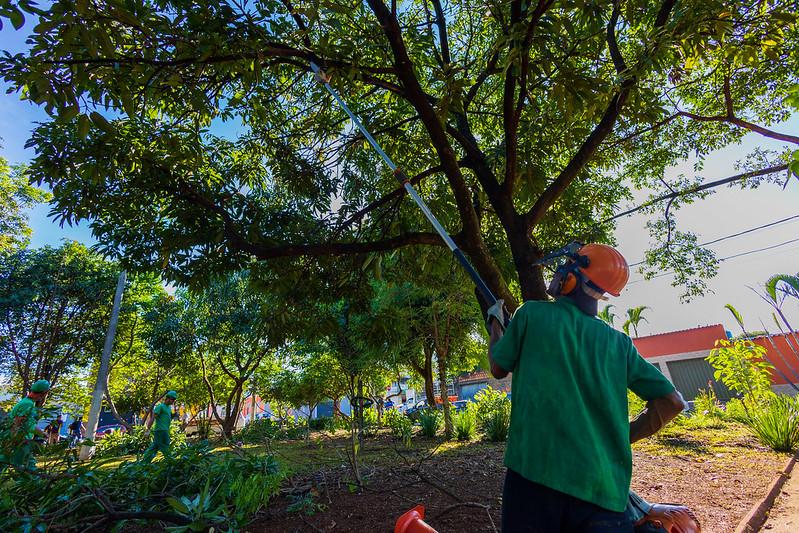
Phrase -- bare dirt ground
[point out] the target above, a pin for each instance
(784, 516)
(718, 473)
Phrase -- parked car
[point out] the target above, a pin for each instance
(104, 431)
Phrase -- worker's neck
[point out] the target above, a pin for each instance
(586, 304)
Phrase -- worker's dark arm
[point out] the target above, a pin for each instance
(657, 414)
(496, 333)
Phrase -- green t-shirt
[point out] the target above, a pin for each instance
(163, 417)
(569, 425)
(26, 408)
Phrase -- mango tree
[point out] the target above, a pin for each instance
(192, 136)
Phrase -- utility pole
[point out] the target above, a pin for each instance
(102, 373)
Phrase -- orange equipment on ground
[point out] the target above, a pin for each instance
(412, 522)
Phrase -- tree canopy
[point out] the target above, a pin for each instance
(16, 194)
(55, 305)
(193, 138)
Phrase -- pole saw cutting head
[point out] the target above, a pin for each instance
(596, 268)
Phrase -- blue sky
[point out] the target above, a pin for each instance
(727, 211)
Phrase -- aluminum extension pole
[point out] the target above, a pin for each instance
(403, 179)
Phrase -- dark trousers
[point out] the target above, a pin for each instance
(532, 508)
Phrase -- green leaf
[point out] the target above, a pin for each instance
(177, 505)
(100, 121)
(83, 126)
(16, 17)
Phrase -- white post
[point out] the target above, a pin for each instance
(102, 372)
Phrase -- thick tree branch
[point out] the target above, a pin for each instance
(595, 138)
(396, 193)
(699, 188)
(443, 38)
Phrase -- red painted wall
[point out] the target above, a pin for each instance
(789, 366)
(674, 342)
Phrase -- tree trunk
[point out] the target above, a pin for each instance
(429, 388)
(360, 412)
(442, 381)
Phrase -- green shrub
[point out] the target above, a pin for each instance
(265, 429)
(135, 442)
(430, 420)
(334, 423)
(370, 424)
(492, 412)
(319, 423)
(497, 424)
(735, 410)
(707, 404)
(776, 422)
(465, 424)
(400, 425)
(634, 404)
(197, 489)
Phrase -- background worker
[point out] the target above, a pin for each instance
(53, 430)
(162, 417)
(568, 454)
(76, 429)
(17, 445)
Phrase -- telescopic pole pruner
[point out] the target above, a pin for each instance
(486, 293)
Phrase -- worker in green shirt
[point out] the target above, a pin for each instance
(568, 454)
(17, 446)
(162, 417)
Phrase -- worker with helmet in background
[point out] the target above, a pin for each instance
(162, 418)
(568, 454)
(17, 442)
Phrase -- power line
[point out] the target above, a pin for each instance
(758, 250)
(749, 230)
(698, 188)
(744, 232)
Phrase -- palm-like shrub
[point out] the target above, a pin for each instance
(430, 420)
(464, 424)
(776, 422)
(492, 410)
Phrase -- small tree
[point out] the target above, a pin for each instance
(607, 316)
(634, 317)
(742, 367)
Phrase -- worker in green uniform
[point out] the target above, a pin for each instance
(17, 446)
(162, 418)
(568, 454)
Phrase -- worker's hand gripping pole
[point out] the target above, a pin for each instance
(486, 293)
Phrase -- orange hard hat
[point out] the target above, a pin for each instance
(606, 267)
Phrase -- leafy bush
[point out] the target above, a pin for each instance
(370, 424)
(334, 423)
(492, 411)
(776, 422)
(135, 442)
(430, 420)
(735, 410)
(264, 429)
(400, 425)
(465, 424)
(741, 365)
(634, 404)
(707, 404)
(195, 490)
(319, 423)
(497, 424)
